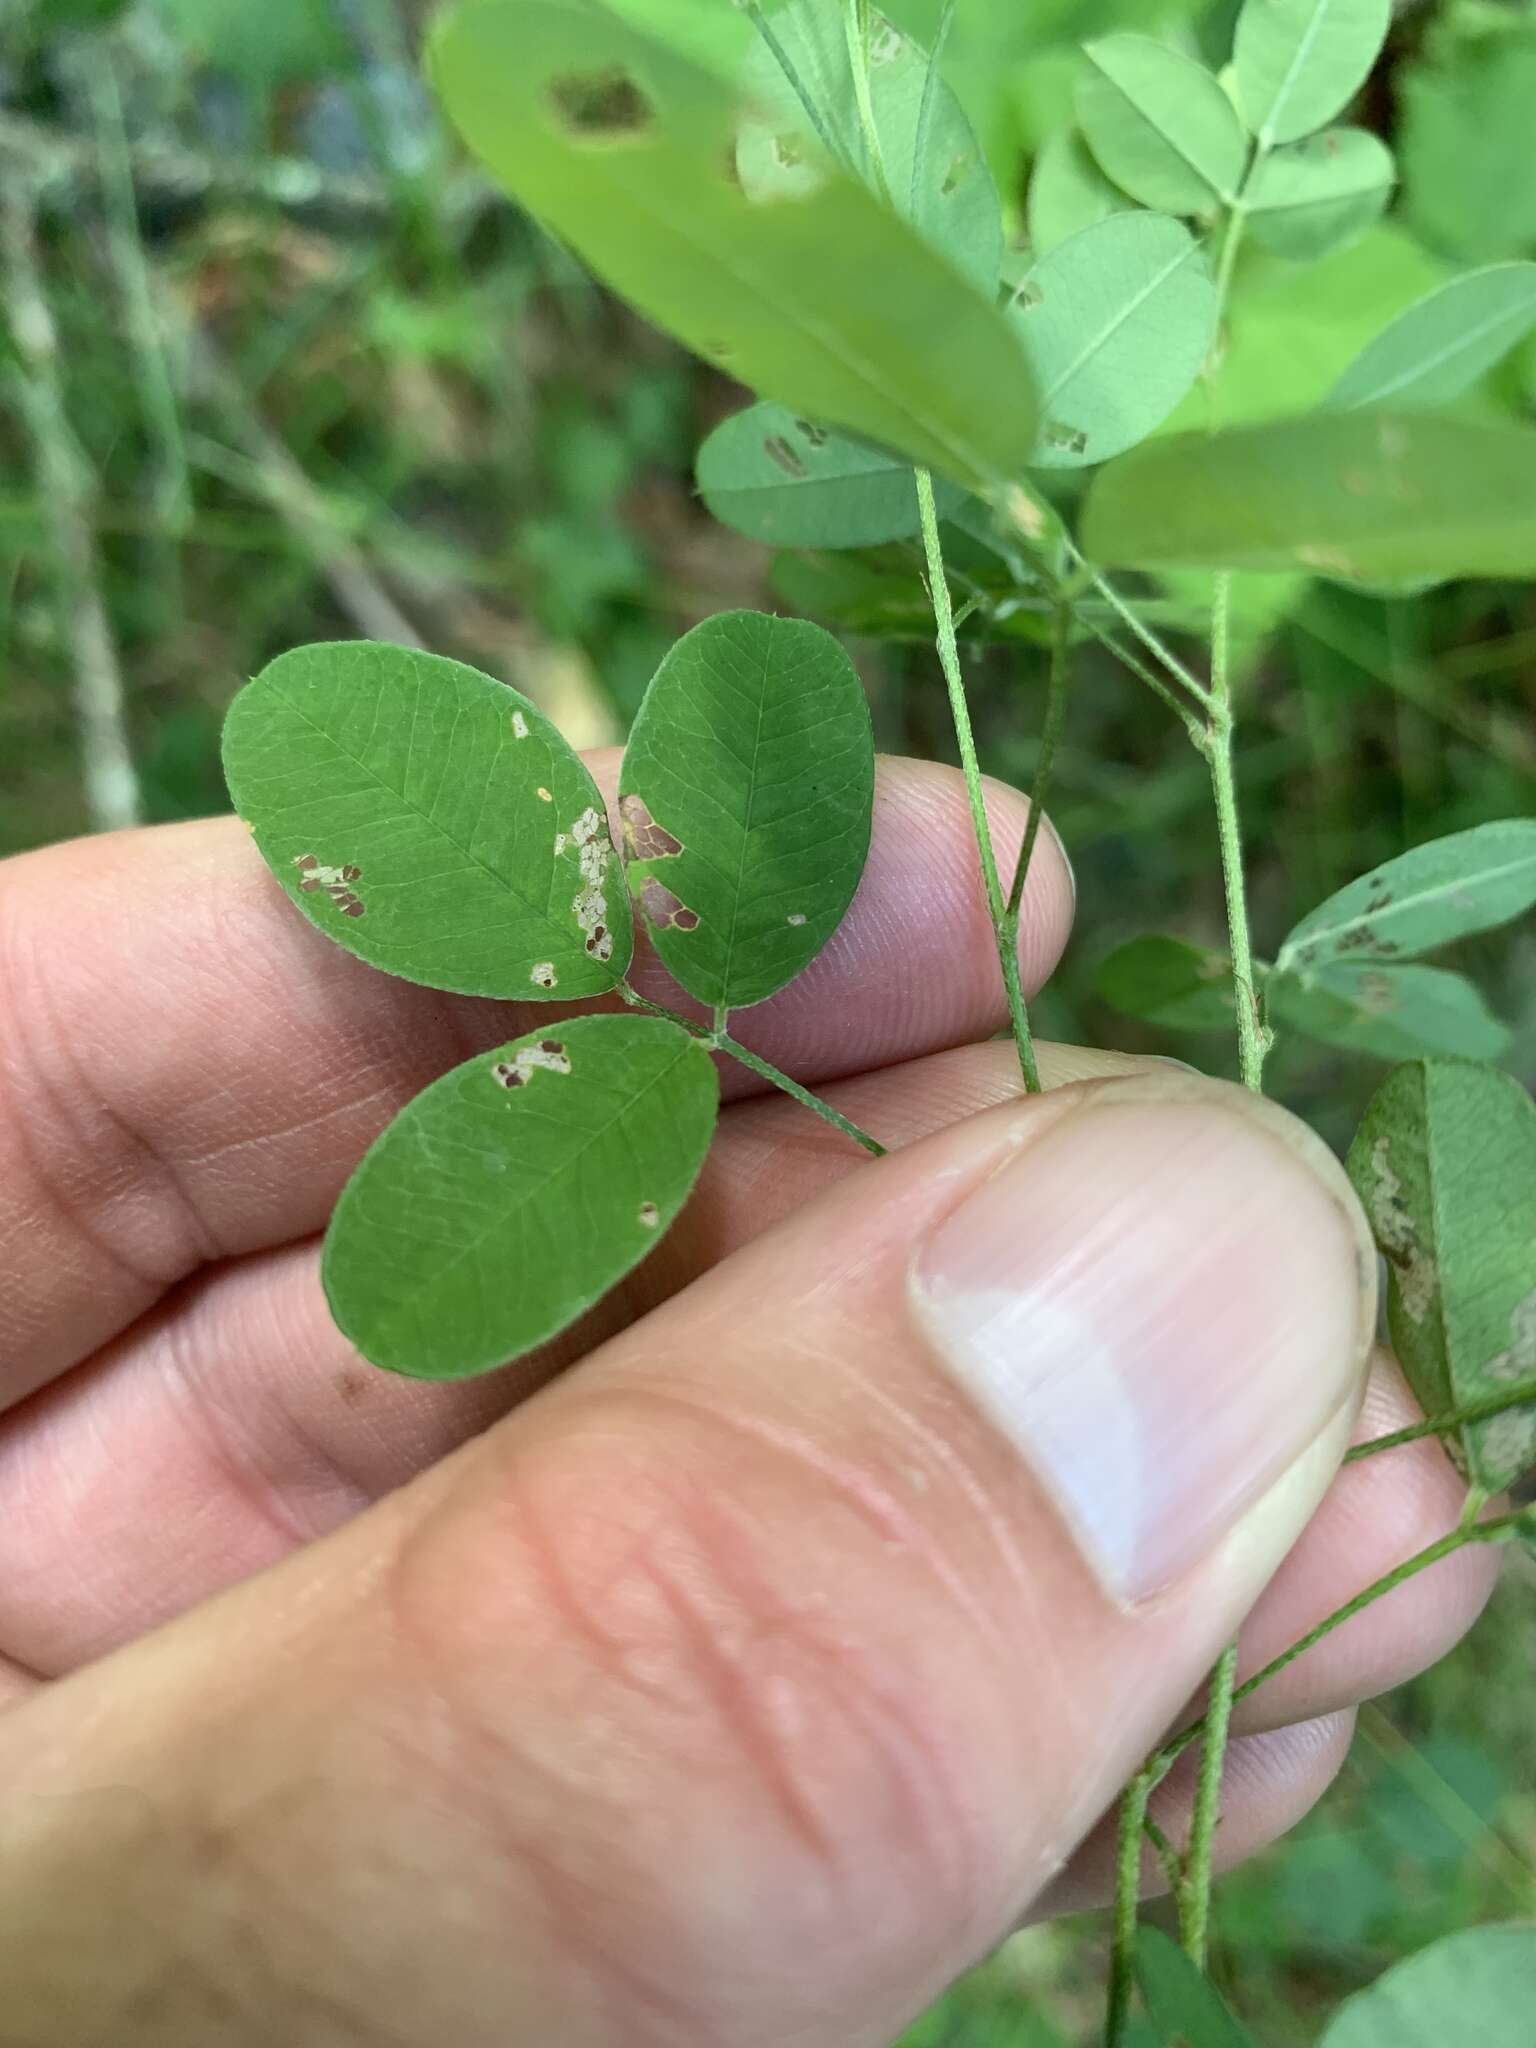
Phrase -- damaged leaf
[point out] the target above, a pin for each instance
(783, 480)
(1359, 495)
(1116, 323)
(1390, 1012)
(1446, 889)
(431, 820)
(753, 752)
(824, 300)
(1445, 1166)
(513, 1193)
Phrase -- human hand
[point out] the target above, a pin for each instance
(750, 1679)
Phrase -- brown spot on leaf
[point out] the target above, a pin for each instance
(601, 106)
(816, 437)
(650, 1215)
(549, 1055)
(334, 881)
(644, 839)
(787, 458)
(666, 911)
(1060, 435)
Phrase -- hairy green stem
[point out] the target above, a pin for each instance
(858, 24)
(1498, 1530)
(1004, 931)
(1194, 1893)
(1519, 1395)
(717, 1039)
(1058, 680)
(1122, 1959)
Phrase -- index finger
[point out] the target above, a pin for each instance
(191, 1071)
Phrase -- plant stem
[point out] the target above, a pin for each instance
(1251, 1043)
(717, 1039)
(1516, 1396)
(1122, 1961)
(1499, 1530)
(1004, 928)
(1154, 644)
(857, 22)
(1058, 679)
(1194, 1894)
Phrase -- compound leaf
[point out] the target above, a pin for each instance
(1116, 323)
(1392, 1013)
(1365, 495)
(1068, 191)
(746, 797)
(1446, 889)
(1319, 194)
(513, 1193)
(930, 159)
(1169, 981)
(430, 820)
(1478, 1985)
(785, 481)
(1439, 347)
(1298, 63)
(1445, 1165)
(1160, 125)
(826, 300)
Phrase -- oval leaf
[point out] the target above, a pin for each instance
(1160, 125)
(1365, 494)
(1478, 1986)
(1318, 195)
(430, 820)
(1445, 1165)
(931, 161)
(1392, 1013)
(826, 301)
(1171, 982)
(1068, 191)
(1298, 63)
(1116, 323)
(513, 1193)
(1444, 890)
(781, 479)
(746, 798)
(1440, 347)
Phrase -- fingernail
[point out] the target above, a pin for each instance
(1163, 1302)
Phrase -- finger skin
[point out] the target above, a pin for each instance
(189, 1070)
(741, 1688)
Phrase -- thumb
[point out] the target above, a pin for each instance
(744, 1686)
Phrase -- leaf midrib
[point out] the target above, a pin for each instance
(1321, 934)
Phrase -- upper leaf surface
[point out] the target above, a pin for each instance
(1447, 889)
(786, 481)
(1445, 1165)
(746, 798)
(826, 301)
(1160, 125)
(1364, 494)
(1116, 322)
(1068, 191)
(431, 820)
(1298, 63)
(514, 1192)
(1185, 2005)
(1169, 981)
(1439, 347)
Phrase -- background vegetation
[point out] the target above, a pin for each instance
(278, 367)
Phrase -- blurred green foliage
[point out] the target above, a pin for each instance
(319, 382)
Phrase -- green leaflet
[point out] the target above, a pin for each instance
(1476, 1987)
(1171, 982)
(825, 301)
(1392, 1013)
(1446, 889)
(1365, 494)
(932, 163)
(1445, 1165)
(1067, 191)
(746, 797)
(1160, 126)
(1466, 148)
(785, 481)
(430, 820)
(513, 1193)
(1116, 323)
(1298, 63)
(1320, 194)
(1186, 2008)
(265, 46)
(1440, 347)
